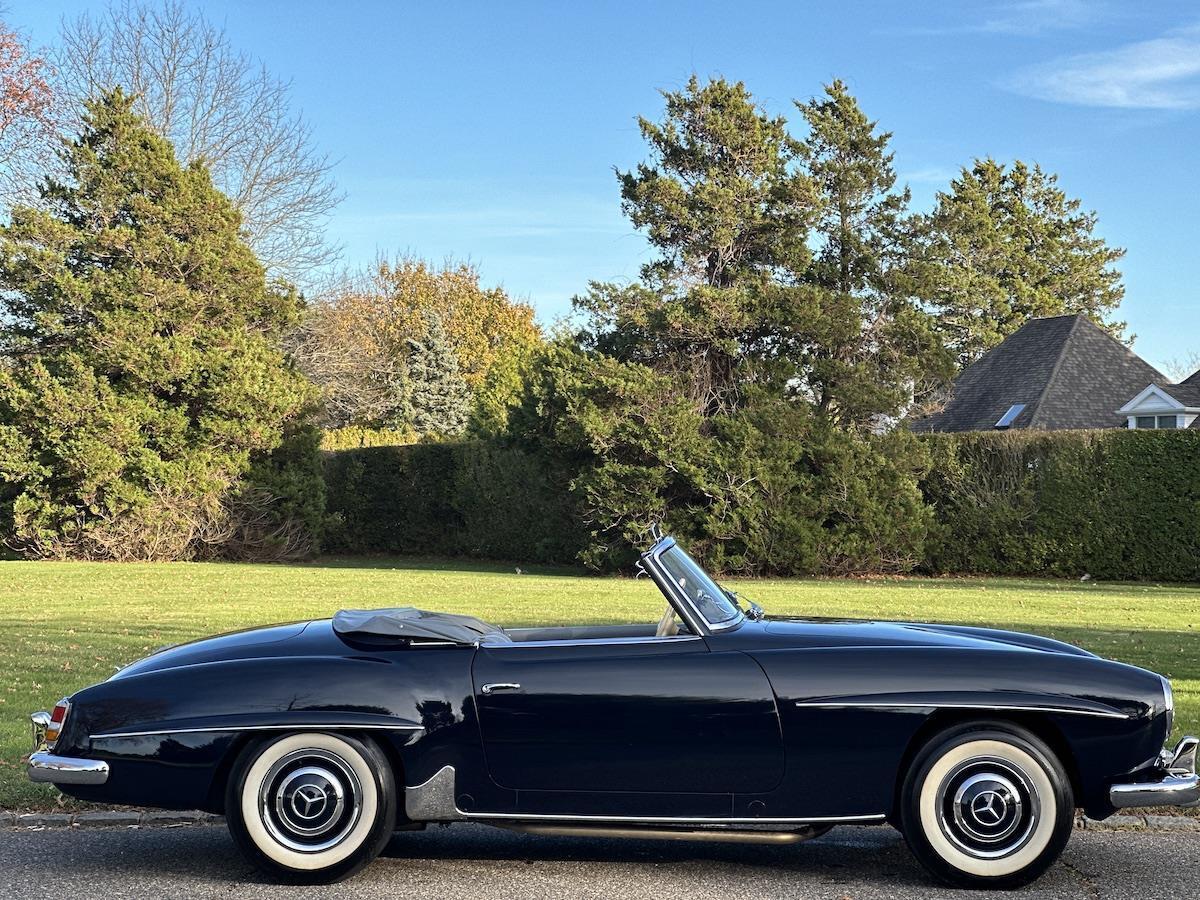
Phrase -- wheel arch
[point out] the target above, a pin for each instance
(220, 780)
(1038, 723)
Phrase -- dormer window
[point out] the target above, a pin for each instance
(1155, 421)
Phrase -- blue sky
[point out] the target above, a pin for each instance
(489, 131)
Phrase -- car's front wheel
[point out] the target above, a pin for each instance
(987, 805)
(311, 808)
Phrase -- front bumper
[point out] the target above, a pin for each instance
(1179, 785)
(46, 767)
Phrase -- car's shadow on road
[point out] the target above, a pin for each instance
(847, 861)
(869, 853)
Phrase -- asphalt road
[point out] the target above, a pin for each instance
(473, 861)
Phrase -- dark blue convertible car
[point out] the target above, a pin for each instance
(317, 740)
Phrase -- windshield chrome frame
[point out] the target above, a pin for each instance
(687, 610)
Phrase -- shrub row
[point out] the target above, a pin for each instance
(1113, 504)
(470, 499)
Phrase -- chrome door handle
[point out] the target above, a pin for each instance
(500, 686)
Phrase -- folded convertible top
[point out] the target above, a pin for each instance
(408, 623)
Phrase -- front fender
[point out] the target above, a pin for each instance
(852, 713)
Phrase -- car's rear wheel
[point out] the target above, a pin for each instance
(311, 808)
(986, 805)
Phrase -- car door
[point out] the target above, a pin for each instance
(657, 715)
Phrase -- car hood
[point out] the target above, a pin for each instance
(829, 633)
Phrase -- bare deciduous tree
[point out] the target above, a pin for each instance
(217, 104)
(1181, 367)
(28, 126)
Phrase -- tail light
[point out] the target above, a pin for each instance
(57, 719)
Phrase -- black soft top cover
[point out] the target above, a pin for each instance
(409, 624)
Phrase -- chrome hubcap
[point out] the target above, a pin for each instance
(310, 800)
(988, 807)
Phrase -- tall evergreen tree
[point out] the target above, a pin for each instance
(142, 340)
(1006, 244)
(437, 397)
(681, 397)
(723, 200)
(868, 345)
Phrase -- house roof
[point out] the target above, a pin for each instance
(1186, 392)
(1066, 370)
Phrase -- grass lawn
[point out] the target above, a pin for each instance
(67, 625)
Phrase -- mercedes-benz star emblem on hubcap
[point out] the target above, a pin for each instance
(988, 808)
(308, 801)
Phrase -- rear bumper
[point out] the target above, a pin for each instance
(47, 768)
(1177, 785)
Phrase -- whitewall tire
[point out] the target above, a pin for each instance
(987, 805)
(311, 808)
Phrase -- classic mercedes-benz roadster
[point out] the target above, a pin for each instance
(317, 740)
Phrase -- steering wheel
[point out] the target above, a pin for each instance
(666, 625)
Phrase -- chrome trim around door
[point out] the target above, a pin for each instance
(933, 704)
(592, 642)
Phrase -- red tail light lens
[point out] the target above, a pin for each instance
(57, 718)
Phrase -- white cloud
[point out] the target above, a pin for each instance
(1030, 17)
(1162, 73)
(1025, 18)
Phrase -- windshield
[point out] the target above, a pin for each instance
(704, 593)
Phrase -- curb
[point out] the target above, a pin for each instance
(118, 818)
(1141, 823)
(108, 818)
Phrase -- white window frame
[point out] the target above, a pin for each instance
(1158, 422)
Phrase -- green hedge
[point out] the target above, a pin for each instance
(473, 499)
(1114, 504)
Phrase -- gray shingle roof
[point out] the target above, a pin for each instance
(1186, 392)
(1068, 372)
(1190, 390)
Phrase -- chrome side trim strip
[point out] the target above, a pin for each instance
(298, 726)
(844, 704)
(661, 832)
(675, 820)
